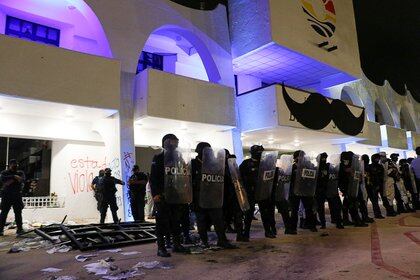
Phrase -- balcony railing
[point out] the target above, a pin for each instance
(43, 202)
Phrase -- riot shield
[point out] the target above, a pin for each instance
(306, 177)
(354, 180)
(389, 189)
(237, 184)
(177, 178)
(282, 186)
(266, 174)
(332, 185)
(363, 180)
(212, 178)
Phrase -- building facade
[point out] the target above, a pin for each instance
(91, 84)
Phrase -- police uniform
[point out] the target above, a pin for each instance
(206, 216)
(11, 197)
(108, 189)
(137, 193)
(168, 216)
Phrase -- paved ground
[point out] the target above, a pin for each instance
(388, 249)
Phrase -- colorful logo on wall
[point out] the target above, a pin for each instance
(321, 16)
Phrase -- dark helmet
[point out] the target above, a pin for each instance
(12, 161)
(410, 159)
(365, 158)
(402, 161)
(376, 157)
(418, 150)
(168, 136)
(108, 170)
(200, 147)
(136, 168)
(394, 156)
(256, 151)
(323, 155)
(297, 153)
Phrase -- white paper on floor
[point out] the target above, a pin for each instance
(123, 275)
(152, 265)
(83, 258)
(112, 250)
(51, 269)
(59, 249)
(130, 253)
(64, 277)
(101, 267)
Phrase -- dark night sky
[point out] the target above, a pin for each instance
(389, 40)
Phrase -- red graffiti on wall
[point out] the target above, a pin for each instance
(83, 170)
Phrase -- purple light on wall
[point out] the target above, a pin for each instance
(212, 71)
(62, 14)
(276, 64)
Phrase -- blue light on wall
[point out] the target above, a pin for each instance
(32, 31)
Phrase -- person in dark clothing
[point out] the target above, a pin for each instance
(321, 194)
(108, 189)
(205, 216)
(400, 191)
(95, 187)
(168, 215)
(345, 177)
(282, 203)
(295, 200)
(137, 193)
(11, 195)
(231, 210)
(361, 199)
(375, 175)
(249, 170)
(409, 182)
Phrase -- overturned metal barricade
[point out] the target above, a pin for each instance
(99, 236)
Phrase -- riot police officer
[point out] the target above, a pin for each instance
(400, 191)
(409, 182)
(169, 195)
(349, 180)
(208, 188)
(95, 187)
(259, 191)
(108, 189)
(11, 196)
(302, 189)
(137, 193)
(362, 195)
(375, 186)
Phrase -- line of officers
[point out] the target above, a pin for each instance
(220, 192)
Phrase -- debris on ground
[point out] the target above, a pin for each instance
(153, 265)
(83, 258)
(99, 236)
(51, 269)
(112, 250)
(130, 253)
(101, 267)
(59, 249)
(64, 277)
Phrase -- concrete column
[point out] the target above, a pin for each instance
(126, 124)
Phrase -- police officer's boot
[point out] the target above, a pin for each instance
(115, 217)
(103, 216)
(161, 249)
(178, 248)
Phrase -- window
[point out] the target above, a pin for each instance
(32, 31)
(150, 60)
(34, 159)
